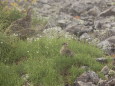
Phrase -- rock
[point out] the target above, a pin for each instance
(106, 77)
(97, 24)
(89, 76)
(108, 12)
(103, 34)
(108, 34)
(106, 46)
(106, 23)
(95, 41)
(111, 82)
(78, 30)
(105, 70)
(43, 1)
(111, 73)
(102, 60)
(111, 39)
(94, 11)
(113, 63)
(85, 84)
(75, 8)
(86, 37)
(101, 82)
(62, 23)
(79, 8)
(112, 42)
(113, 68)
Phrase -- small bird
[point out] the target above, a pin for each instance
(20, 24)
(66, 51)
(25, 21)
(22, 27)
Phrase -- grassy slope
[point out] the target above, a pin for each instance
(42, 61)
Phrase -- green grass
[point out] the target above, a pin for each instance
(9, 76)
(42, 61)
(7, 16)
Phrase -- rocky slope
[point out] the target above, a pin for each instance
(90, 20)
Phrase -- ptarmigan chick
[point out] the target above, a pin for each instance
(65, 50)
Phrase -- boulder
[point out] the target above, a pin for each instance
(101, 82)
(94, 11)
(105, 70)
(89, 76)
(111, 73)
(106, 46)
(78, 30)
(108, 12)
(110, 82)
(85, 36)
(102, 60)
(85, 84)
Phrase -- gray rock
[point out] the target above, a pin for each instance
(86, 37)
(97, 24)
(89, 76)
(106, 46)
(102, 60)
(79, 8)
(102, 82)
(43, 1)
(111, 73)
(94, 11)
(78, 30)
(62, 23)
(111, 82)
(105, 70)
(112, 42)
(111, 39)
(108, 12)
(104, 34)
(85, 83)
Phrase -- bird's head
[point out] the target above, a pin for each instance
(29, 11)
(65, 44)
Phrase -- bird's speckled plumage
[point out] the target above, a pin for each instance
(65, 50)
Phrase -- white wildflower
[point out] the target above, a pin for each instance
(15, 34)
(37, 51)
(28, 51)
(1, 42)
(56, 32)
